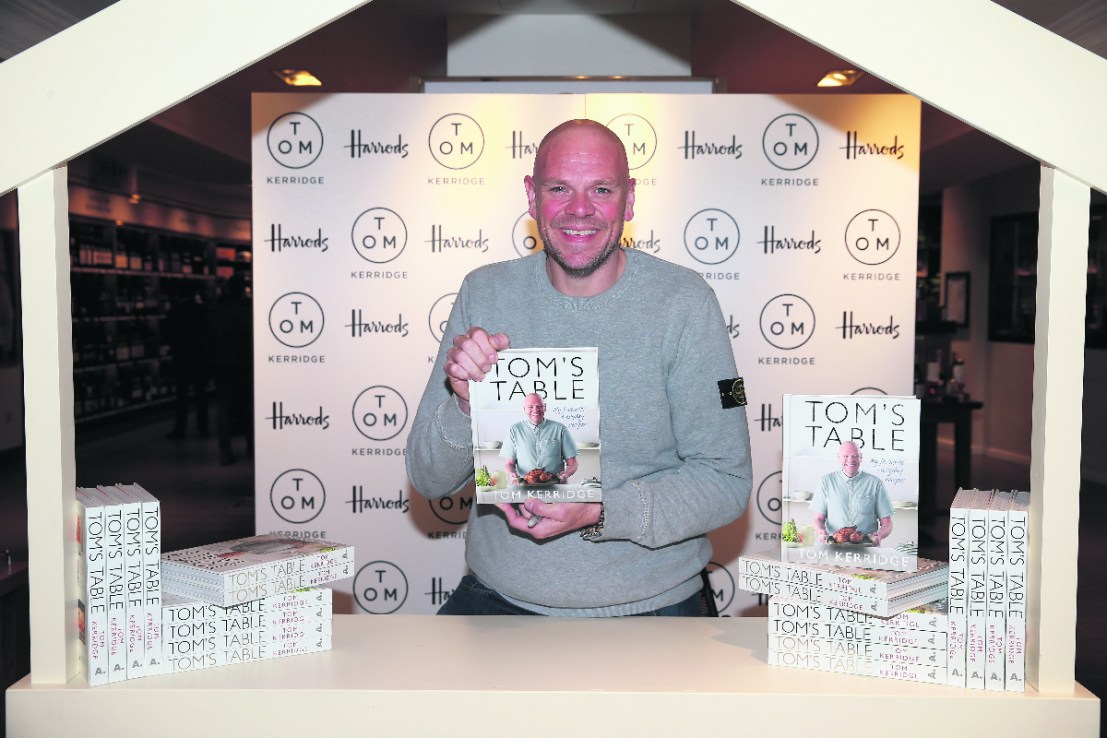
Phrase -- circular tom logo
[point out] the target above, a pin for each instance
(379, 235)
(439, 315)
(722, 585)
(790, 142)
(638, 137)
(524, 235)
(711, 236)
(872, 237)
(868, 391)
(380, 413)
(456, 141)
(297, 496)
(769, 494)
(295, 140)
(787, 321)
(296, 319)
(380, 587)
(453, 509)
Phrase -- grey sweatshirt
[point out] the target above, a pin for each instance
(675, 463)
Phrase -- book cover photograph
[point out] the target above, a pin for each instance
(536, 427)
(851, 481)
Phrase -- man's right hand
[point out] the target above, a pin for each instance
(471, 358)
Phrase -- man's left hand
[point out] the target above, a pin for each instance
(554, 519)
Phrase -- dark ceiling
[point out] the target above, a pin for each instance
(206, 139)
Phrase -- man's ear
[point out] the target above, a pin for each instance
(532, 196)
(628, 211)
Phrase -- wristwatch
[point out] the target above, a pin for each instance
(592, 532)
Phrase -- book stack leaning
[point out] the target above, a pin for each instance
(855, 621)
(119, 582)
(987, 589)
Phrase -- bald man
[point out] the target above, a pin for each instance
(852, 498)
(539, 443)
(676, 461)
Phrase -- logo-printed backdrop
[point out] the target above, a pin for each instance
(800, 211)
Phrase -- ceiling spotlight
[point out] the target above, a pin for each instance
(297, 78)
(840, 78)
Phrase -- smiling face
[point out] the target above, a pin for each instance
(580, 195)
(535, 409)
(849, 456)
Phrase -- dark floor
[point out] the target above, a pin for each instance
(204, 501)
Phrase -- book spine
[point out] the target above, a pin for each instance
(271, 622)
(135, 579)
(995, 626)
(192, 567)
(977, 607)
(920, 619)
(883, 652)
(225, 657)
(862, 667)
(151, 591)
(958, 590)
(806, 576)
(295, 603)
(1015, 641)
(845, 600)
(247, 593)
(93, 606)
(117, 592)
(901, 637)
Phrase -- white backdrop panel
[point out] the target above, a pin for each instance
(800, 211)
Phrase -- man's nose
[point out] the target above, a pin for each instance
(580, 204)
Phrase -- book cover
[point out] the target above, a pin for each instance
(254, 560)
(851, 480)
(872, 605)
(859, 666)
(253, 588)
(995, 625)
(876, 634)
(958, 587)
(932, 616)
(115, 583)
(976, 612)
(150, 508)
(882, 583)
(92, 605)
(885, 652)
(536, 427)
(1014, 651)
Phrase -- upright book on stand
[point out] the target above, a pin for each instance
(92, 601)
(851, 481)
(536, 427)
(1014, 649)
(150, 508)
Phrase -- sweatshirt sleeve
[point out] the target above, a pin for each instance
(439, 454)
(712, 484)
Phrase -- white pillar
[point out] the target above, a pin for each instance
(48, 396)
(1055, 431)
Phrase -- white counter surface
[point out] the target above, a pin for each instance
(513, 676)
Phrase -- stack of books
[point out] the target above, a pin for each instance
(253, 568)
(119, 582)
(199, 635)
(910, 645)
(870, 622)
(877, 592)
(988, 538)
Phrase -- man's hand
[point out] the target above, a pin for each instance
(471, 358)
(570, 470)
(554, 519)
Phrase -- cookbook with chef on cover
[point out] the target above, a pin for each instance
(536, 427)
(851, 481)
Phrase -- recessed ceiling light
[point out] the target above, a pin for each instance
(297, 78)
(840, 78)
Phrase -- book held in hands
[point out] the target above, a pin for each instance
(536, 427)
(851, 481)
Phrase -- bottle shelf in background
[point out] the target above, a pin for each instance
(125, 279)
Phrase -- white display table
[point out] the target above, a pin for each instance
(518, 676)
